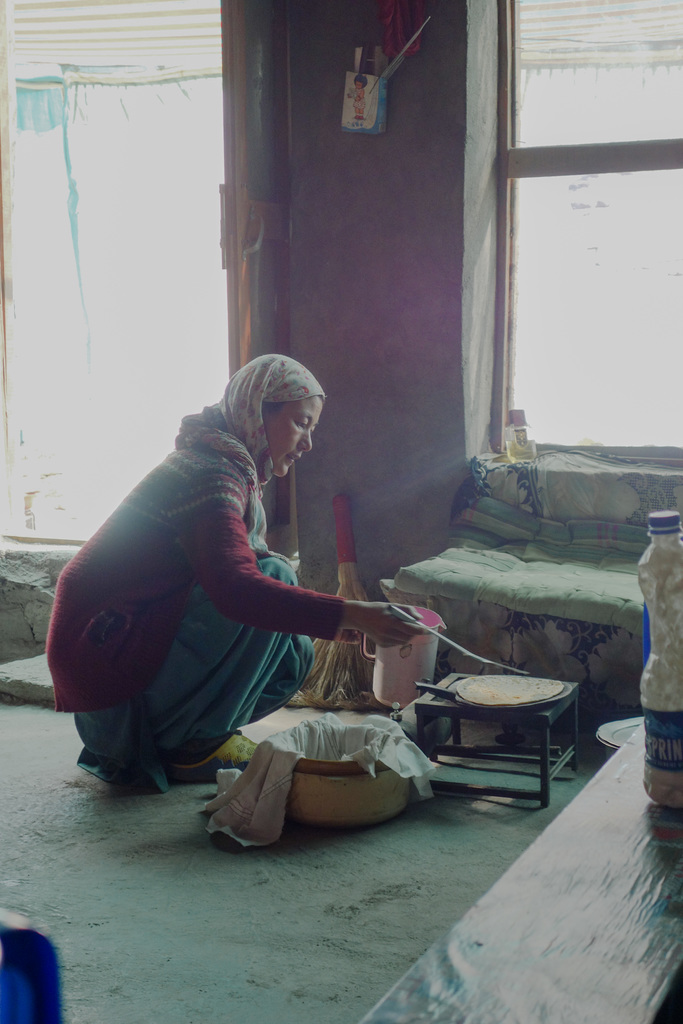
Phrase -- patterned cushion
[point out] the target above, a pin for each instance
(569, 485)
(541, 569)
(605, 660)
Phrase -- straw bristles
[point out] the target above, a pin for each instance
(350, 586)
(341, 678)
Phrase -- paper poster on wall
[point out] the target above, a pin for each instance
(365, 104)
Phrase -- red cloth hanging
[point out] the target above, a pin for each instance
(401, 20)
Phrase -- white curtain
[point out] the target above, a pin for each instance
(120, 299)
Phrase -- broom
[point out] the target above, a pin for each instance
(341, 678)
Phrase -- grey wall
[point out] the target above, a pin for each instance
(28, 575)
(392, 280)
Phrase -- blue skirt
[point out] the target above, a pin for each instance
(218, 676)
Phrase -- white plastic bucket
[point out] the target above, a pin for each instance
(398, 668)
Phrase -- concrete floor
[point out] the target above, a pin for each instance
(154, 919)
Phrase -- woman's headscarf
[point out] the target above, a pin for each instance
(270, 378)
(235, 426)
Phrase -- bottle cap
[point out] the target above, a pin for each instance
(516, 418)
(664, 522)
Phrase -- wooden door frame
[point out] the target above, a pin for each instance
(247, 221)
(234, 206)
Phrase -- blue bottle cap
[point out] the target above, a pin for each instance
(664, 522)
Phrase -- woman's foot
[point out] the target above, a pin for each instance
(235, 752)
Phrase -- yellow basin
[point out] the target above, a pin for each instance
(341, 794)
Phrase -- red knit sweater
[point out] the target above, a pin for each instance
(119, 601)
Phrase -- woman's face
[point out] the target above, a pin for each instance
(289, 427)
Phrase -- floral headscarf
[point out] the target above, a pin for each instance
(234, 427)
(270, 378)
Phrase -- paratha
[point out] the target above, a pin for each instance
(507, 691)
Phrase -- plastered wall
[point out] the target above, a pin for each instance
(393, 256)
(28, 576)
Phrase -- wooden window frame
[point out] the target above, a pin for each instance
(515, 163)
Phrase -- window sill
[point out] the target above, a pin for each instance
(669, 456)
(31, 540)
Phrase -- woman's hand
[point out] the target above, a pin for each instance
(375, 620)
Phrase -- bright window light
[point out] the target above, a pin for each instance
(597, 260)
(599, 317)
(120, 299)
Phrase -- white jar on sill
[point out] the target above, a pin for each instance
(518, 445)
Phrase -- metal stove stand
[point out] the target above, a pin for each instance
(511, 750)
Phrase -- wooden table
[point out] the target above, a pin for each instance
(586, 926)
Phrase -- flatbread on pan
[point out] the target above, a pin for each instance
(507, 691)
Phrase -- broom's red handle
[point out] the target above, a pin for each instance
(346, 547)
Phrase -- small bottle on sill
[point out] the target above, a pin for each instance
(518, 444)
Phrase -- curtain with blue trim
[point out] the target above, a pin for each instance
(120, 299)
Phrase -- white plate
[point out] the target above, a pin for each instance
(615, 734)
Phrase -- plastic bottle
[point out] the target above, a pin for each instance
(518, 444)
(660, 574)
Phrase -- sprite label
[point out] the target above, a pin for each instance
(664, 740)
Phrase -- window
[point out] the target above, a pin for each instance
(118, 325)
(593, 166)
